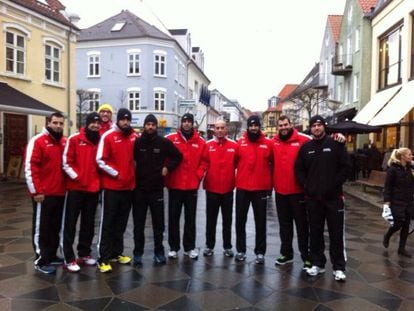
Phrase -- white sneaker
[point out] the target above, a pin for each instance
(87, 261)
(193, 254)
(172, 254)
(72, 267)
(339, 275)
(315, 270)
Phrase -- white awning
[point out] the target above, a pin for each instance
(378, 101)
(397, 108)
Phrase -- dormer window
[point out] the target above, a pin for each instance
(118, 26)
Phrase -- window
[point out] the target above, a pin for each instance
(93, 100)
(177, 67)
(390, 58)
(134, 100)
(339, 92)
(412, 46)
(356, 42)
(94, 64)
(350, 12)
(133, 64)
(15, 53)
(349, 50)
(159, 100)
(52, 63)
(355, 89)
(118, 26)
(348, 91)
(159, 65)
(272, 121)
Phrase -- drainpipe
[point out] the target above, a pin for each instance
(69, 84)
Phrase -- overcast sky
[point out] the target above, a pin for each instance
(251, 48)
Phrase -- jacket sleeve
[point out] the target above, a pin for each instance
(344, 165)
(69, 158)
(389, 184)
(103, 156)
(300, 168)
(173, 154)
(202, 165)
(32, 167)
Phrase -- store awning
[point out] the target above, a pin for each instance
(12, 100)
(378, 101)
(397, 108)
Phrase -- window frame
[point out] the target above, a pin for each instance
(136, 62)
(96, 64)
(94, 98)
(54, 62)
(15, 50)
(134, 99)
(355, 88)
(159, 99)
(160, 64)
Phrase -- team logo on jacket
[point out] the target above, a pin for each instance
(326, 150)
(157, 150)
(263, 146)
(194, 145)
(295, 144)
(82, 143)
(231, 150)
(311, 151)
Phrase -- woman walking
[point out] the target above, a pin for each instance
(398, 195)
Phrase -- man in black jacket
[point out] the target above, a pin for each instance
(322, 167)
(155, 156)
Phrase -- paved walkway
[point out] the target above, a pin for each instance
(378, 279)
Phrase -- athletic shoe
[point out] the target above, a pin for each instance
(72, 267)
(260, 259)
(159, 259)
(404, 253)
(137, 261)
(240, 257)
(339, 275)
(56, 261)
(172, 254)
(282, 260)
(87, 261)
(193, 254)
(46, 269)
(315, 270)
(208, 252)
(122, 259)
(104, 267)
(306, 265)
(228, 253)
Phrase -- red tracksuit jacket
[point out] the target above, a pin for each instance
(220, 159)
(115, 157)
(253, 164)
(190, 171)
(284, 157)
(79, 164)
(43, 165)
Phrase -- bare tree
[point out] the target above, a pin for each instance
(82, 105)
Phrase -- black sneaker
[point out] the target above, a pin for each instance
(46, 269)
(282, 260)
(159, 259)
(208, 252)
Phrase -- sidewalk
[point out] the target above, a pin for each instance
(371, 196)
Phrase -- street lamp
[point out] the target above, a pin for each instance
(333, 105)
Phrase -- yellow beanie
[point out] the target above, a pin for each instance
(105, 107)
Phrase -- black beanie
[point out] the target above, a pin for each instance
(317, 118)
(151, 118)
(253, 120)
(123, 113)
(92, 117)
(187, 116)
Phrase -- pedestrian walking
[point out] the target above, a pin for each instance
(398, 196)
(253, 182)
(155, 157)
(116, 160)
(182, 186)
(83, 185)
(46, 184)
(219, 182)
(289, 194)
(321, 168)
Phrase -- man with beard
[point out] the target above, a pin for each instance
(116, 160)
(321, 168)
(182, 186)
(105, 113)
(46, 185)
(290, 201)
(253, 182)
(155, 157)
(220, 157)
(83, 185)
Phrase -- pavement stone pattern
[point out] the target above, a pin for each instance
(377, 279)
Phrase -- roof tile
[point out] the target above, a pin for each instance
(366, 5)
(334, 22)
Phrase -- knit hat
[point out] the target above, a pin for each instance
(105, 107)
(151, 118)
(253, 120)
(317, 119)
(92, 117)
(123, 113)
(187, 116)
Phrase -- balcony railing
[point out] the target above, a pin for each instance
(342, 64)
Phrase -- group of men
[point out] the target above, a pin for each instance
(65, 178)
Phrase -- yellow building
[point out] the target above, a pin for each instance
(37, 73)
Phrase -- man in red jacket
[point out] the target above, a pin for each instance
(115, 158)
(182, 186)
(220, 157)
(46, 185)
(253, 182)
(290, 201)
(83, 185)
